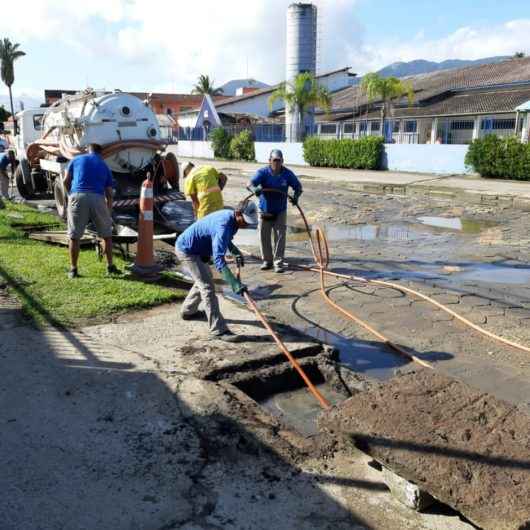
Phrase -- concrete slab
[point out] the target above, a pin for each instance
(466, 448)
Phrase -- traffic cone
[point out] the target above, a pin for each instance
(144, 263)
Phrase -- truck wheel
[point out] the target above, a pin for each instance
(171, 170)
(61, 200)
(22, 187)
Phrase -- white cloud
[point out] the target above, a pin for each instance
(143, 44)
(469, 42)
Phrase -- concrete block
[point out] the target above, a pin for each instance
(522, 203)
(406, 492)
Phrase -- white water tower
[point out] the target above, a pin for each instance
(301, 55)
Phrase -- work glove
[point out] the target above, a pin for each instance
(256, 190)
(294, 198)
(238, 256)
(236, 286)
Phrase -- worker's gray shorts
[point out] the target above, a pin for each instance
(4, 184)
(85, 207)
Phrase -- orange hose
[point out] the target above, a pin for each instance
(324, 403)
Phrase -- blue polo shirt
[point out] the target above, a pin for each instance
(210, 236)
(90, 174)
(4, 161)
(270, 202)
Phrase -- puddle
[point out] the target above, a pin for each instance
(299, 408)
(426, 228)
(466, 226)
(371, 359)
(492, 273)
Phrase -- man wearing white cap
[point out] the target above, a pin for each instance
(273, 208)
(211, 237)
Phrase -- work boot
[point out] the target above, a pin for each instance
(112, 270)
(266, 265)
(73, 273)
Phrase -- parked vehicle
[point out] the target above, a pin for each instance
(129, 133)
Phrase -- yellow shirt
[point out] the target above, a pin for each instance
(203, 182)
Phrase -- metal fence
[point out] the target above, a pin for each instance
(398, 131)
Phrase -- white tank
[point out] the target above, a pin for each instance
(76, 121)
(301, 46)
(301, 55)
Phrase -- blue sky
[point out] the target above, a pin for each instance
(163, 45)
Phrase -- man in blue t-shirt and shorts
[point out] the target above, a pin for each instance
(89, 185)
(273, 208)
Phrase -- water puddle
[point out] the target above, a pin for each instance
(466, 226)
(299, 408)
(371, 359)
(426, 228)
(492, 273)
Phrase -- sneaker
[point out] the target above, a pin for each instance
(112, 270)
(73, 274)
(226, 336)
(279, 269)
(198, 315)
(266, 265)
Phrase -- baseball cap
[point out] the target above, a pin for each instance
(249, 211)
(276, 154)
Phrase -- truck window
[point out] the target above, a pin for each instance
(37, 121)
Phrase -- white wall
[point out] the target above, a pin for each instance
(258, 105)
(426, 158)
(192, 149)
(292, 152)
(417, 158)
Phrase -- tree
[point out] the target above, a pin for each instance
(519, 55)
(9, 53)
(299, 95)
(205, 85)
(387, 90)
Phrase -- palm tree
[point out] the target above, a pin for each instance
(9, 53)
(299, 95)
(387, 89)
(205, 85)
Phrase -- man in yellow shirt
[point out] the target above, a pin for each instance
(204, 184)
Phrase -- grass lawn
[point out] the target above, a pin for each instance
(36, 274)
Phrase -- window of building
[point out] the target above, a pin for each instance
(328, 128)
(375, 126)
(504, 123)
(462, 125)
(38, 120)
(185, 109)
(348, 127)
(363, 126)
(395, 126)
(410, 126)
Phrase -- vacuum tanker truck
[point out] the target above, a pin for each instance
(129, 133)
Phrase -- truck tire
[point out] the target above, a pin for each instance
(61, 199)
(171, 170)
(22, 187)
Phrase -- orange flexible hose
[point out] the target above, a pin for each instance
(324, 403)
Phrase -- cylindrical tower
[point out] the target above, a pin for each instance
(301, 55)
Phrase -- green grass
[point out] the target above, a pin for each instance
(36, 273)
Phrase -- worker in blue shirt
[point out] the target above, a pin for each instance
(273, 208)
(6, 159)
(89, 185)
(207, 238)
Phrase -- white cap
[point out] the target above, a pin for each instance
(250, 213)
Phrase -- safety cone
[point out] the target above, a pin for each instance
(144, 264)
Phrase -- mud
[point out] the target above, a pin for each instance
(464, 447)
